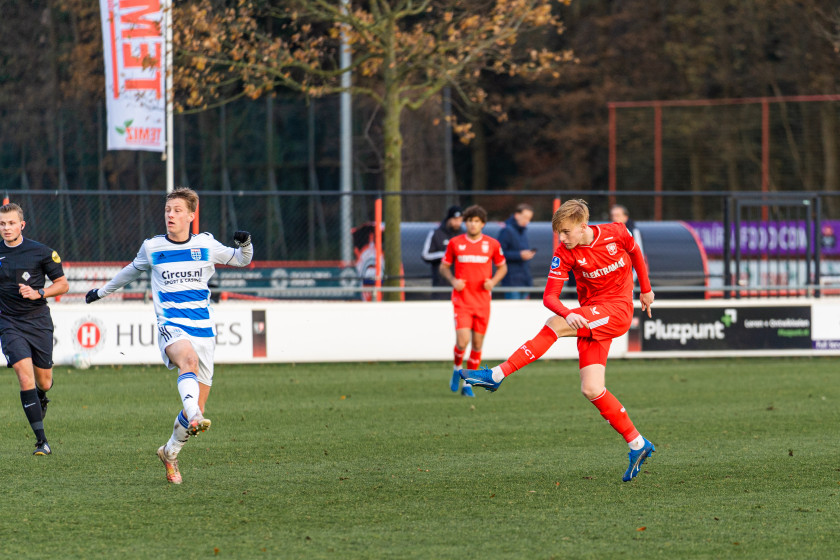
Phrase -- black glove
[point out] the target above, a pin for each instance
(242, 238)
(92, 296)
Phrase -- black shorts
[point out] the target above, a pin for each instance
(27, 337)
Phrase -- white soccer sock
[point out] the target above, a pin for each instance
(188, 388)
(637, 443)
(178, 438)
(498, 375)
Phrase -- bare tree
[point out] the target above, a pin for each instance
(404, 53)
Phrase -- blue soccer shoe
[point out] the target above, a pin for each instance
(637, 458)
(456, 381)
(466, 390)
(480, 378)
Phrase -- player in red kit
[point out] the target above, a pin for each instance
(473, 255)
(600, 257)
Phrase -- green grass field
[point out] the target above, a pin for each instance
(382, 461)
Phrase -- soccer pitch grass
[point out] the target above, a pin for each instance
(383, 461)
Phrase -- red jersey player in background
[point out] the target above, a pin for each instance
(473, 255)
(600, 258)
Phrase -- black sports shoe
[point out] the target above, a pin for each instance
(42, 448)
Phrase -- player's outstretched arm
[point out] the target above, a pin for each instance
(128, 274)
(244, 251)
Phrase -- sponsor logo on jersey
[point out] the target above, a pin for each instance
(582, 261)
(173, 274)
(55, 257)
(461, 247)
(612, 249)
(555, 262)
(606, 270)
(481, 259)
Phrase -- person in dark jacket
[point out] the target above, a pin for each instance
(514, 240)
(435, 246)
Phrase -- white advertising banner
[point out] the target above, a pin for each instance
(126, 333)
(135, 70)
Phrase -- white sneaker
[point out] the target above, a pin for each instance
(198, 424)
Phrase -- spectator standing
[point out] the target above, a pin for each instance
(517, 249)
(619, 213)
(435, 246)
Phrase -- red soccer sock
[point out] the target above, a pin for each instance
(474, 361)
(458, 356)
(530, 351)
(615, 415)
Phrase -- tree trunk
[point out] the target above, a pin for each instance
(393, 177)
(479, 156)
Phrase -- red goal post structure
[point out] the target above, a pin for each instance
(657, 106)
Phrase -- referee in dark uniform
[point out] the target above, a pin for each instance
(26, 327)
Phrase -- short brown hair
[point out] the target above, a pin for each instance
(187, 195)
(575, 211)
(12, 207)
(522, 206)
(475, 211)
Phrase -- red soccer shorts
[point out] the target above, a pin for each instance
(606, 322)
(475, 319)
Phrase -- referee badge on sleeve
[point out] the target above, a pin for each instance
(55, 257)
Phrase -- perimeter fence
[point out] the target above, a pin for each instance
(319, 245)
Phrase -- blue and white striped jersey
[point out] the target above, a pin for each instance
(179, 276)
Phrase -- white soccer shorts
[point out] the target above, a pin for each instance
(205, 348)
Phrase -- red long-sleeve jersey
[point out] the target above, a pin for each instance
(601, 269)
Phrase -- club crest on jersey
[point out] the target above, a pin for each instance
(485, 247)
(555, 262)
(612, 249)
(195, 254)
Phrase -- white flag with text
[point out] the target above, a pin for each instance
(135, 70)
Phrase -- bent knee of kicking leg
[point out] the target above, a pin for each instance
(560, 327)
(591, 390)
(189, 363)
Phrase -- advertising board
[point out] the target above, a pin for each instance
(723, 328)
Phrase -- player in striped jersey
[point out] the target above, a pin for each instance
(600, 257)
(181, 265)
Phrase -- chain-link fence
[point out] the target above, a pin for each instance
(301, 247)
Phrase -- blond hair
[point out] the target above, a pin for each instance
(12, 207)
(575, 211)
(189, 196)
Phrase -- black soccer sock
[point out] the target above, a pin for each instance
(32, 408)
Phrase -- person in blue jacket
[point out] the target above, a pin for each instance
(518, 250)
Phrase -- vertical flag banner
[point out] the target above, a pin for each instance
(135, 69)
